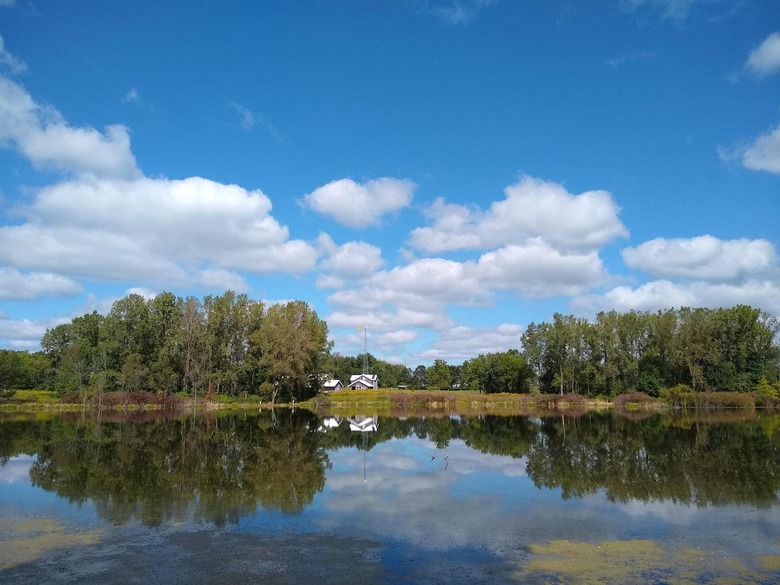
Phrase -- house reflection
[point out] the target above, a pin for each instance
(365, 425)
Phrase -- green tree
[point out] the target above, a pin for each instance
(439, 375)
(293, 342)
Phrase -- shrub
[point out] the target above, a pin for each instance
(679, 396)
(632, 400)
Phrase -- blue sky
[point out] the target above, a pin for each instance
(443, 172)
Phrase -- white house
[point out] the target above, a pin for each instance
(364, 382)
(332, 385)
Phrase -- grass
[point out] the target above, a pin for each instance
(404, 402)
(394, 402)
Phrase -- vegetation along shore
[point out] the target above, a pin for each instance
(170, 352)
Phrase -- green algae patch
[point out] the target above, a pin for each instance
(770, 562)
(638, 561)
(28, 540)
(602, 562)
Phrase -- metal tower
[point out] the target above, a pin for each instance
(365, 349)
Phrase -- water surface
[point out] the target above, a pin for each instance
(289, 497)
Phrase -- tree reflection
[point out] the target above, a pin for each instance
(213, 470)
(221, 469)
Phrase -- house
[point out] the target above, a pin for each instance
(332, 386)
(364, 382)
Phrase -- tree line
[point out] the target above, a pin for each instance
(231, 344)
(227, 344)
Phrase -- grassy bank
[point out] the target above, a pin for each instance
(409, 402)
(392, 402)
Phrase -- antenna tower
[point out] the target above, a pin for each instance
(365, 349)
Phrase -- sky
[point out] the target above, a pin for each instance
(431, 176)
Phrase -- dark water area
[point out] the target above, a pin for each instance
(290, 497)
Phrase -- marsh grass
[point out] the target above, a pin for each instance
(406, 402)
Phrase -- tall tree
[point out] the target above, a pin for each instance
(293, 342)
(439, 375)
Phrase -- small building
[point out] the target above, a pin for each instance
(364, 382)
(332, 386)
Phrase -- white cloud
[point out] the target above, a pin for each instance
(532, 210)
(132, 96)
(353, 260)
(456, 12)
(460, 343)
(18, 286)
(399, 337)
(765, 59)
(764, 153)
(703, 257)
(155, 230)
(662, 294)
(417, 295)
(251, 120)
(361, 205)
(620, 60)
(248, 119)
(140, 291)
(538, 270)
(39, 133)
(25, 333)
(14, 64)
(217, 278)
(676, 10)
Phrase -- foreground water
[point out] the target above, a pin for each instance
(288, 497)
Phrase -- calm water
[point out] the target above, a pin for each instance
(293, 498)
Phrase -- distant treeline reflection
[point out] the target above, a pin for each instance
(220, 469)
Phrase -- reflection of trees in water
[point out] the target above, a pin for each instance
(208, 469)
(220, 469)
(651, 460)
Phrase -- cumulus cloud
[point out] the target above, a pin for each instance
(399, 337)
(765, 59)
(353, 260)
(24, 333)
(703, 257)
(764, 153)
(18, 286)
(40, 134)
(538, 270)
(662, 294)
(418, 294)
(532, 210)
(156, 230)
(460, 343)
(9, 61)
(363, 205)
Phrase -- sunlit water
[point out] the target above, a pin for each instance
(291, 497)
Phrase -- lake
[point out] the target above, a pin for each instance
(290, 497)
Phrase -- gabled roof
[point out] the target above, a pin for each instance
(371, 377)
